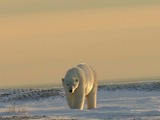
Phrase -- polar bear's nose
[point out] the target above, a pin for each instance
(70, 90)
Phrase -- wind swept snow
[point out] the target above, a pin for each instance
(139, 101)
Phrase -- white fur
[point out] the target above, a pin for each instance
(80, 83)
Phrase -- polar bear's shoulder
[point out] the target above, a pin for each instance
(83, 66)
(88, 70)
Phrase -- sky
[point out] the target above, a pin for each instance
(41, 39)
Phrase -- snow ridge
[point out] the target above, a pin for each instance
(141, 86)
(30, 94)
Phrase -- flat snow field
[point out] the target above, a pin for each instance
(140, 101)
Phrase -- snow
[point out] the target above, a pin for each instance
(140, 101)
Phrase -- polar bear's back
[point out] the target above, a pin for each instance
(89, 76)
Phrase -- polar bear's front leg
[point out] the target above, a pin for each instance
(78, 102)
(70, 99)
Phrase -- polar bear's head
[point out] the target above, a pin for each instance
(70, 84)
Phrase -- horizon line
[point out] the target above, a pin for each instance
(101, 82)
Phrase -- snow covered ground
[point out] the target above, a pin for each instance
(132, 101)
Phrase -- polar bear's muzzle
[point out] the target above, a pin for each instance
(71, 91)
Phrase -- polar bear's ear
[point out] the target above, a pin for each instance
(62, 79)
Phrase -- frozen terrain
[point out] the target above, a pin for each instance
(131, 101)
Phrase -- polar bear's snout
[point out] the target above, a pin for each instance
(71, 90)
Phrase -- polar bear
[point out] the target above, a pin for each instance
(79, 83)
